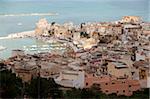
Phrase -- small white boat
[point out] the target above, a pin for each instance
(57, 48)
(45, 45)
(24, 47)
(61, 48)
(51, 41)
(34, 46)
(33, 49)
(19, 24)
(44, 48)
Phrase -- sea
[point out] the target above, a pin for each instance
(17, 15)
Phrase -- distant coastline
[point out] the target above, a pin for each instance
(28, 14)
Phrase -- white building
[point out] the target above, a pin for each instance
(71, 79)
(140, 56)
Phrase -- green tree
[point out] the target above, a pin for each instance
(82, 94)
(73, 93)
(141, 94)
(10, 85)
(43, 88)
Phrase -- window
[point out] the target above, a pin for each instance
(84, 63)
(129, 85)
(129, 90)
(132, 73)
(86, 84)
(106, 83)
(113, 83)
(106, 90)
(123, 82)
(123, 90)
(96, 85)
(49, 31)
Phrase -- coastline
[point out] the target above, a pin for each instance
(19, 35)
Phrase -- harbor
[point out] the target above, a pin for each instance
(74, 49)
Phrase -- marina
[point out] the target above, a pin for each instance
(23, 16)
(47, 47)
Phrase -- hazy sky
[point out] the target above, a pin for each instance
(144, 1)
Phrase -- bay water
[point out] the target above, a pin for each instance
(76, 11)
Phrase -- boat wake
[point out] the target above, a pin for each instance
(2, 48)
(29, 14)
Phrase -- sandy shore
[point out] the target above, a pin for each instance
(19, 35)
